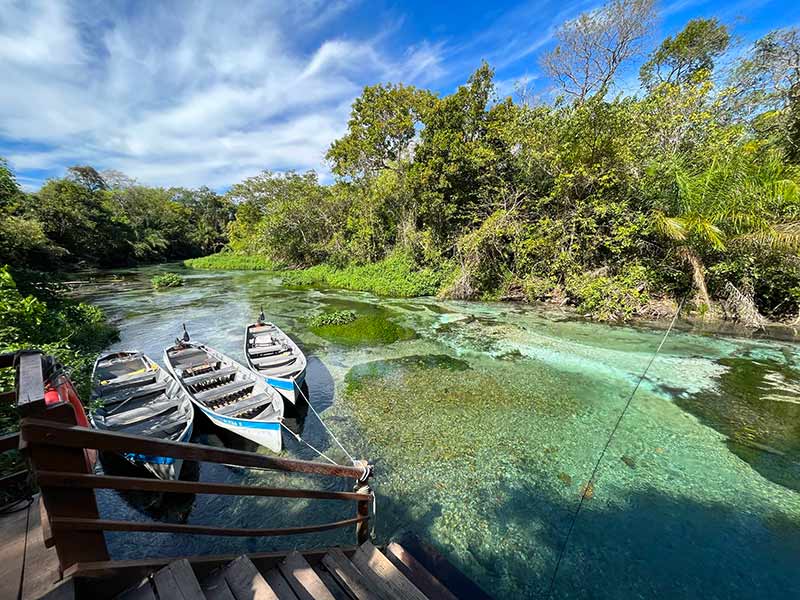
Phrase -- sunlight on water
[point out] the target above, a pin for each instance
(484, 422)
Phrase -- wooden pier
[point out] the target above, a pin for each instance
(56, 547)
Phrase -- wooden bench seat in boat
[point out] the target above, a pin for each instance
(210, 376)
(140, 413)
(279, 371)
(163, 429)
(220, 392)
(134, 393)
(185, 354)
(128, 381)
(255, 351)
(190, 370)
(275, 360)
(262, 329)
(245, 405)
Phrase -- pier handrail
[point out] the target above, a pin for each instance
(56, 448)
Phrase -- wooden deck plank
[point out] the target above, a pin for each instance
(186, 580)
(416, 573)
(246, 583)
(330, 582)
(368, 557)
(166, 585)
(304, 581)
(279, 585)
(216, 588)
(348, 575)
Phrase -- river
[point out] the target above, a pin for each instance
(484, 421)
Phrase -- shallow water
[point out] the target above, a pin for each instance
(484, 422)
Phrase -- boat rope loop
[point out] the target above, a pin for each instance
(330, 433)
(589, 487)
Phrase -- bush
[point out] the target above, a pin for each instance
(167, 280)
(396, 276)
(339, 317)
(228, 261)
(610, 298)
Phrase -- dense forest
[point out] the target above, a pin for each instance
(616, 198)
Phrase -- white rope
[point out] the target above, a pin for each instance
(299, 439)
(330, 433)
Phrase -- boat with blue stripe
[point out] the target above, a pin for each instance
(274, 356)
(138, 397)
(227, 392)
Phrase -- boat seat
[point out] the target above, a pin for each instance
(275, 360)
(186, 370)
(186, 353)
(164, 428)
(283, 371)
(131, 394)
(263, 351)
(211, 375)
(245, 405)
(139, 413)
(264, 339)
(129, 381)
(217, 393)
(262, 329)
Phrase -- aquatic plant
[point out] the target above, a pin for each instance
(230, 261)
(339, 317)
(167, 280)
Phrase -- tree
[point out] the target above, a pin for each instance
(88, 177)
(769, 80)
(210, 215)
(677, 60)
(739, 198)
(383, 123)
(592, 47)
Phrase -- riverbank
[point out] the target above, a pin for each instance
(397, 276)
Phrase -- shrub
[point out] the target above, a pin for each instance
(610, 298)
(167, 280)
(229, 261)
(339, 317)
(397, 276)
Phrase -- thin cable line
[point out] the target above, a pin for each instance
(590, 483)
(330, 433)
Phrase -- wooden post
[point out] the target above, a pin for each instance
(71, 546)
(362, 506)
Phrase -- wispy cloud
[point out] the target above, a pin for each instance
(184, 94)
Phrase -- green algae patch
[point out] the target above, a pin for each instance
(369, 329)
(339, 317)
(229, 261)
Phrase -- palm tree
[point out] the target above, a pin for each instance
(739, 200)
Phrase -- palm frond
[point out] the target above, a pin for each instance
(672, 227)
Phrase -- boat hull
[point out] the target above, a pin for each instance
(263, 433)
(288, 388)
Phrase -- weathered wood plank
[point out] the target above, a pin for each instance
(304, 581)
(46, 432)
(41, 563)
(185, 487)
(30, 383)
(246, 582)
(279, 585)
(348, 575)
(368, 557)
(166, 586)
(330, 582)
(216, 588)
(65, 523)
(416, 573)
(186, 580)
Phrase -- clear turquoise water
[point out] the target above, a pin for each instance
(484, 422)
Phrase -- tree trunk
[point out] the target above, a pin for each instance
(698, 275)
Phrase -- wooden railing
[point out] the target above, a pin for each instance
(55, 446)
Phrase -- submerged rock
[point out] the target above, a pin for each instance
(628, 461)
(566, 479)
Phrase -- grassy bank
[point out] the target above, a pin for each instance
(38, 315)
(227, 261)
(395, 276)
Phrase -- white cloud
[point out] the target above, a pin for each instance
(184, 94)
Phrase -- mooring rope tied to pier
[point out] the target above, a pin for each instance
(590, 484)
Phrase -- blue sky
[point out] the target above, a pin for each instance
(207, 93)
